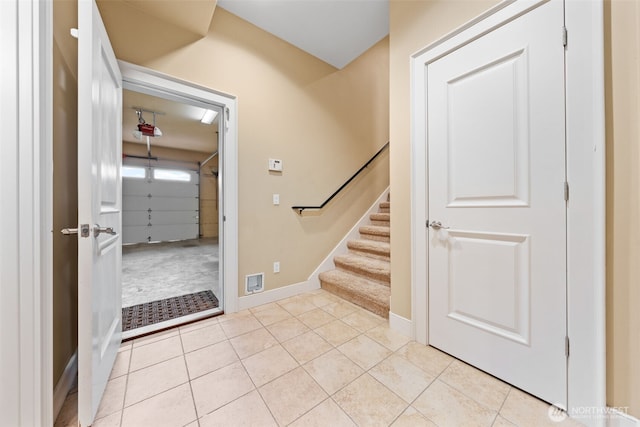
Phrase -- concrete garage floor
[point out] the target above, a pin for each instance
(155, 271)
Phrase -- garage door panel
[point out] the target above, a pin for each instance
(174, 232)
(158, 210)
(174, 218)
(135, 187)
(170, 189)
(135, 218)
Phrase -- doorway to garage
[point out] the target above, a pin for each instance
(171, 270)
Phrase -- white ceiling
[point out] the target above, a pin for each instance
(336, 31)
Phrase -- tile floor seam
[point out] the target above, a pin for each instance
(343, 411)
(226, 404)
(193, 398)
(126, 386)
(464, 393)
(502, 406)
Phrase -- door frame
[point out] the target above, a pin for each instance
(154, 81)
(585, 157)
(26, 247)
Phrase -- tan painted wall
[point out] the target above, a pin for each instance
(321, 122)
(65, 187)
(622, 86)
(415, 24)
(208, 182)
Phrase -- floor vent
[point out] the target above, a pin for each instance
(254, 283)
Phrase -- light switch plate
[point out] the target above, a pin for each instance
(275, 165)
(276, 199)
(276, 267)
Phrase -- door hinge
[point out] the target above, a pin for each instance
(566, 346)
(566, 191)
(564, 36)
(224, 218)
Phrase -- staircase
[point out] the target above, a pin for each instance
(363, 275)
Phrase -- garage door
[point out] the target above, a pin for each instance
(159, 204)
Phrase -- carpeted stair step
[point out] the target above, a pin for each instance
(375, 232)
(371, 249)
(362, 292)
(369, 268)
(382, 219)
(384, 207)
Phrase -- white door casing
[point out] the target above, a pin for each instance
(99, 203)
(584, 57)
(155, 83)
(496, 173)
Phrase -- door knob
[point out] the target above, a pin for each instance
(84, 231)
(107, 230)
(437, 225)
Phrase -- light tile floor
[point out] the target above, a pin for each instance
(309, 360)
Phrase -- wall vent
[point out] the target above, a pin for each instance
(254, 283)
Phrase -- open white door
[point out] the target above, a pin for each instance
(99, 209)
(496, 172)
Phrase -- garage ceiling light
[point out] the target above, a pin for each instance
(208, 117)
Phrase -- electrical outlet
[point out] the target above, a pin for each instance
(276, 267)
(276, 199)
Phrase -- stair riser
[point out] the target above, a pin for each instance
(372, 306)
(372, 255)
(384, 210)
(380, 223)
(382, 277)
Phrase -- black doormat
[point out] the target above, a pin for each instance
(154, 312)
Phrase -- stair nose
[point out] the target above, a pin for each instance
(385, 207)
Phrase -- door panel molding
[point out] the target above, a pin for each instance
(584, 94)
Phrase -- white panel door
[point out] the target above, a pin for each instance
(496, 159)
(99, 205)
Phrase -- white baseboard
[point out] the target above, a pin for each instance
(273, 295)
(617, 418)
(353, 234)
(401, 325)
(64, 384)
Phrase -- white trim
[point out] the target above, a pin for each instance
(26, 40)
(587, 205)
(266, 297)
(65, 383)
(400, 324)
(585, 171)
(341, 248)
(618, 418)
(146, 79)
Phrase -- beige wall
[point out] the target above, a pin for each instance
(65, 186)
(622, 86)
(415, 24)
(208, 182)
(321, 122)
